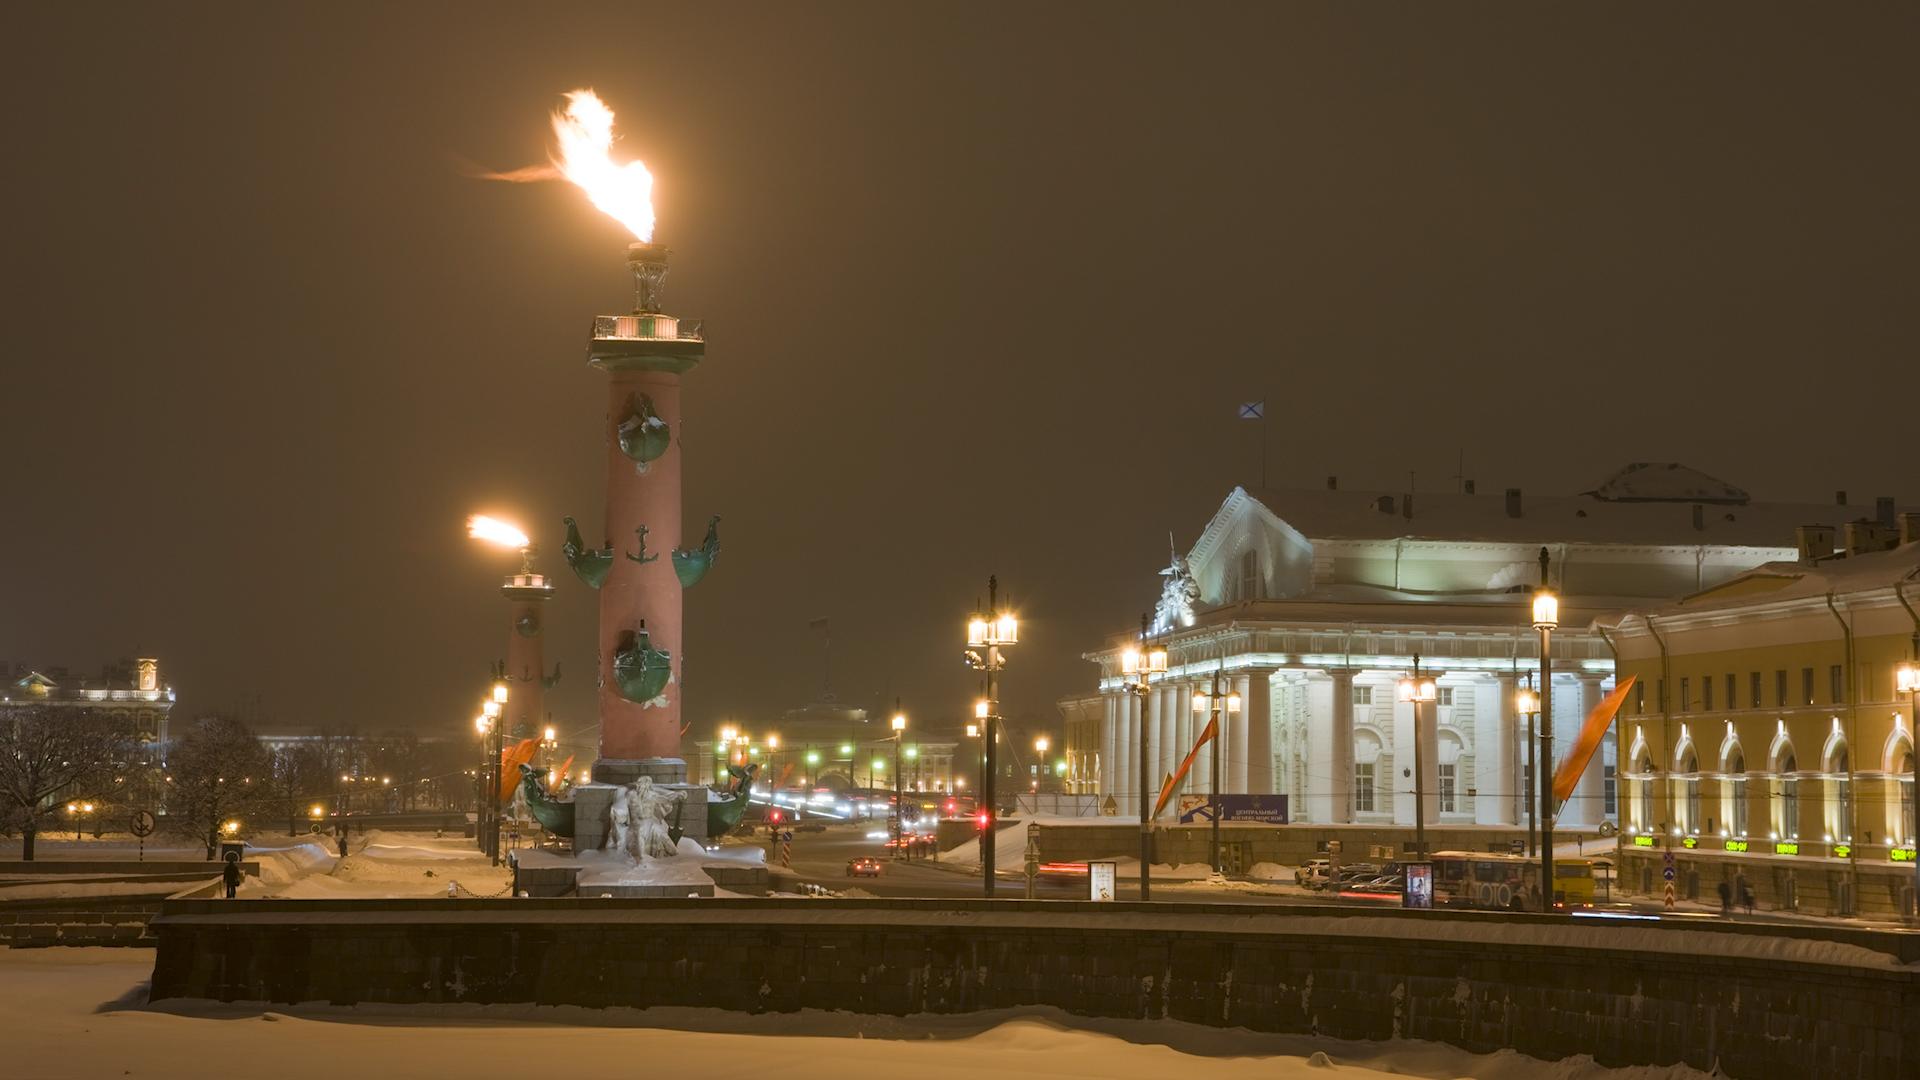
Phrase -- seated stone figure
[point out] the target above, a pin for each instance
(638, 820)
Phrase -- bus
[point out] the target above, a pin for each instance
(1507, 882)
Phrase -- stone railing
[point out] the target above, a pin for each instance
(1750, 1000)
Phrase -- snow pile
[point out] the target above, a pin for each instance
(1266, 871)
(389, 865)
(281, 867)
(79, 1013)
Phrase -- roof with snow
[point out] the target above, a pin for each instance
(1799, 581)
(1657, 505)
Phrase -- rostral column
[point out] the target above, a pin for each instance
(641, 644)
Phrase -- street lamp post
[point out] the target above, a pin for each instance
(991, 630)
(483, 726)
(1527, 704)
(496, 711)
(1138, 666)
(1212, 702)
(899, 725)
(1416, 691)
(1546, 616)
(1040, 761)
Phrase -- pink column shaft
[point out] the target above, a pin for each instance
(634, 592)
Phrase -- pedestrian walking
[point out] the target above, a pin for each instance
(340, 838)
(230, 873)
(1726, 897)
(1744, 893)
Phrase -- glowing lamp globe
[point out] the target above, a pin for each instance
(1546, 610)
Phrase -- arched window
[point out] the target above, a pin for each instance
(1786, 803)
(1644, 766)
(1687, 792)
(1737, 789)
(1841, 768)
(1905, 773)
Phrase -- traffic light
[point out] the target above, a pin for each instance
(774, 817)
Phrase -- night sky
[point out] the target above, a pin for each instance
(982, 288)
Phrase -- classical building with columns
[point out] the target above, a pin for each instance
(1312, 605)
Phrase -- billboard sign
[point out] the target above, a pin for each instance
(1419, 892)
(1100, 884)
(1264, 809)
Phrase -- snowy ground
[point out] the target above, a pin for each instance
(382, 865)
(79, 1013)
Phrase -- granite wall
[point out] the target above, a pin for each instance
(1752, 1001)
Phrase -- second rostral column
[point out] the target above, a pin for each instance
(640, 642)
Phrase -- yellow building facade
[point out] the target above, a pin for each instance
(1768, 742)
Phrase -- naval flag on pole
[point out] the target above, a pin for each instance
(1253, 410)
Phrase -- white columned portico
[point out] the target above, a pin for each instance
(1256, 698)
(1109, 740)
(1587, 806)
(1340, 747)
(1236, 749)
(1323, 798)
(1127, 769)
(1495, 735)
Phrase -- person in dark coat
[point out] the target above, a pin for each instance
(340, 837)
(230, 873)
(1726, 897)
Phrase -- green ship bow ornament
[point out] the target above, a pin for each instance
(640, 671)
(553, 815)
(691, 566)
(589, 564)
(643, 435)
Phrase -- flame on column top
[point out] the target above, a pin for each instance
(495, 531)
(584, 131)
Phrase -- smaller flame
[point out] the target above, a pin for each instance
(584, 130)
(495, 531)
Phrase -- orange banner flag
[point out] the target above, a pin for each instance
(511, 758)
(1166, 789)
(1587, 742)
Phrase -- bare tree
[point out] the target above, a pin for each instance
(48, 757)
(219, 773)
(293, 774)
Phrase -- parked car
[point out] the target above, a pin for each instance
(865, 866)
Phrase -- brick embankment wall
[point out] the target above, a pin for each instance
(1798, 1003)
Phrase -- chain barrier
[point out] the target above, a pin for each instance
(455, 885)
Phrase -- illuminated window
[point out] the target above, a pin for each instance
(1446, 789)
(1363, 787)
